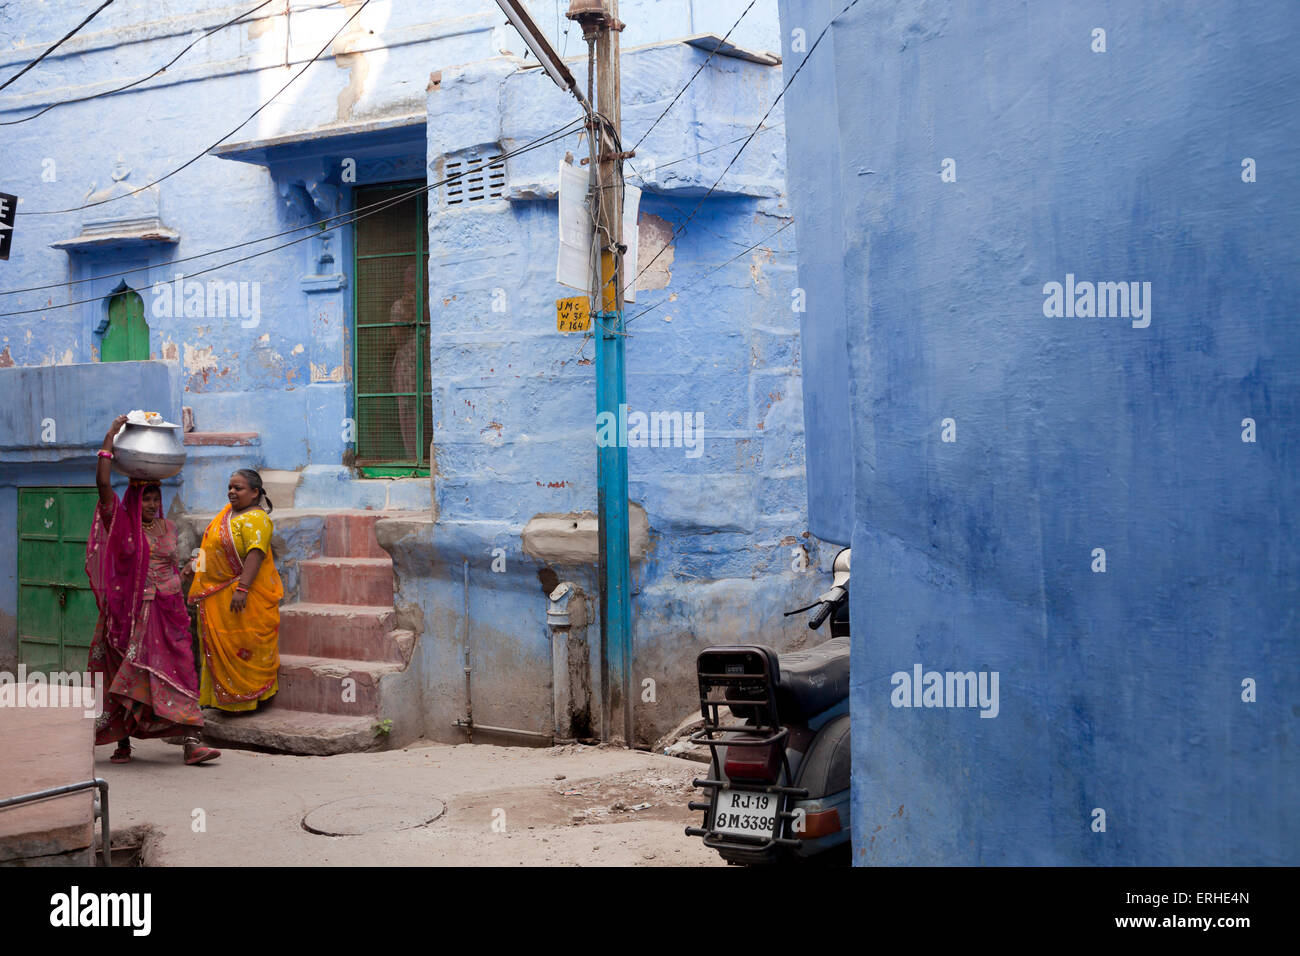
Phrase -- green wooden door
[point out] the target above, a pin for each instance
(56, 608)
(127, 337)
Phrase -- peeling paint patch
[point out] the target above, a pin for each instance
(756, 273)
(170, 352)
(261, 27)
(358, 67)
(6, 360)
(199, 364)
(297, 349)
(653, 235)
(320, 372)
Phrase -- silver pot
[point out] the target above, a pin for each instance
(148, 451)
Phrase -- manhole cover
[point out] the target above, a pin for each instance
(374, 813)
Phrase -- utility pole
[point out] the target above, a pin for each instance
(601, 28)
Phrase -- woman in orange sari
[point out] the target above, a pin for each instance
(238, 591)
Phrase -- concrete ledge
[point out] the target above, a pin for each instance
(574, 538)
(221, 438)
(43, 747)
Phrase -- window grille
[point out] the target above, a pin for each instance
(393, 389)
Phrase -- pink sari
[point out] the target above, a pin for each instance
(142, 638)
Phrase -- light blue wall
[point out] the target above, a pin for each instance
(1119, 690)
(513, 403)
(513, 400)
(52, 421)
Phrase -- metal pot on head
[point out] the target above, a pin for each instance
(148, 451)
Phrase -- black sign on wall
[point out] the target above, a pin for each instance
(8, 205)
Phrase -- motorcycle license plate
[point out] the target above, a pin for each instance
(745, 813)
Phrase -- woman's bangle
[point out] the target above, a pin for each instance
(240, 587)
(105, 454)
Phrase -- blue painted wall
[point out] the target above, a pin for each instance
(52, 422)
(1120, 691)
(513, 400)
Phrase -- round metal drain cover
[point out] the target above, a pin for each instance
(374, 813)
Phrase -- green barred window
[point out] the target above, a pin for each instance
(391, 345)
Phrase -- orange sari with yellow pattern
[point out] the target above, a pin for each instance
(241, 652)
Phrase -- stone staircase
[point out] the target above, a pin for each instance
(343, 627)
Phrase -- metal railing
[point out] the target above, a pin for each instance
(101, 811)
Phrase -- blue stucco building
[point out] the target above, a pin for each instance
(1052, 385)
(301, 351)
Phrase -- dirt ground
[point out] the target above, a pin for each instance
(427, 805)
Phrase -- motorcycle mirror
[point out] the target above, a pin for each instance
(840, 569)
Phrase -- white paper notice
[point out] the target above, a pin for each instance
(573, 267)
(631, 205)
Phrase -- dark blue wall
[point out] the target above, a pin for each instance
(1119, 690)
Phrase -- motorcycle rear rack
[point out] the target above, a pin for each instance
(759, 733)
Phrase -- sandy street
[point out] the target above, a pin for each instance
(428, 805)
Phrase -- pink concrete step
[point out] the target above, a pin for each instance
(350, 631)
(352, 536)
(293, 731)
(356, 581)
(315, 684)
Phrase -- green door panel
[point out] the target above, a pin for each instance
(79, 617)
(127, 337)
(39, 612)
(38, 513)
(56, 608)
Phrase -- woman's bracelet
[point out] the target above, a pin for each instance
(240, 587)
(105, 454)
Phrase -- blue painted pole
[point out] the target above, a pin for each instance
(611, 383)
(615, 563)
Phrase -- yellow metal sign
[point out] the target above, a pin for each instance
(573, 315)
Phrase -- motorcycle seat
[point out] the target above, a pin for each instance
(813, 680)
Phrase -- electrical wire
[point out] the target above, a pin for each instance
(760, 242)
(195, 159)
(145, 79)
(663, 197)
(307, 225)
(67, 36)
(808, 56)
(372, 210)
(694, 75)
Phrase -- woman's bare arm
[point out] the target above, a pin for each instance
(252, 562)
(104, 471)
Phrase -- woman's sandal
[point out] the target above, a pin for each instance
(121, 755)
(195, 753)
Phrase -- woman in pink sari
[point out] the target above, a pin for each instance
(142, 638)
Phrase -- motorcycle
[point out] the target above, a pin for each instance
(779, 779)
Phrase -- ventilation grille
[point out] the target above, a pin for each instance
(484, 177)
